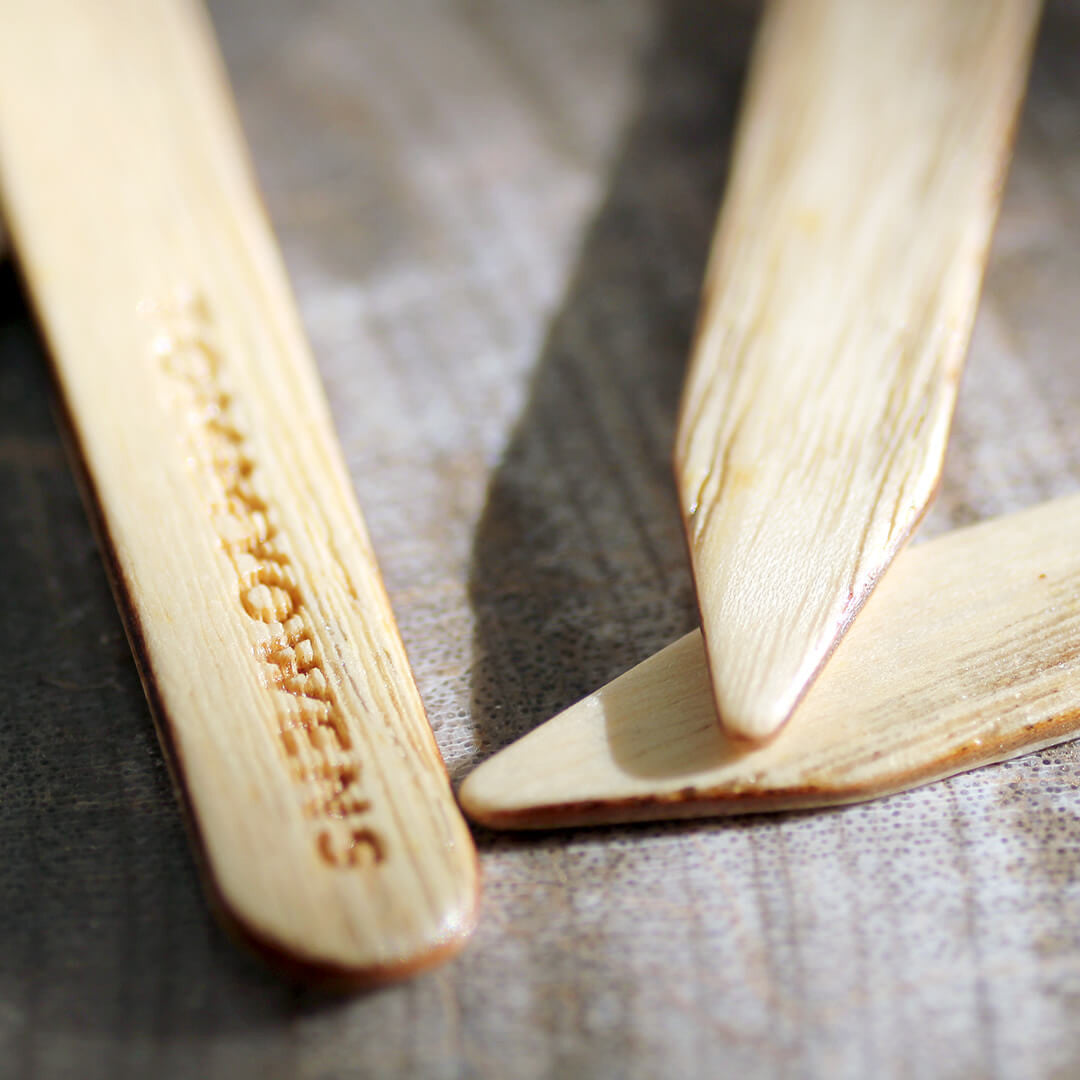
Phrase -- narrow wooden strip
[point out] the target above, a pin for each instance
(834, 320)
(269, 647)
(968, 653)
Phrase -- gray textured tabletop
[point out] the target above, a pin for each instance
(496, 216)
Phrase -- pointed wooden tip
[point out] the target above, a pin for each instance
(834, 319)
(771, 615)
(967, 654)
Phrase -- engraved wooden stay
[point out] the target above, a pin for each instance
(311, 728)
(251, 591)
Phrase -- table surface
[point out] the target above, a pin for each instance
(496, 215)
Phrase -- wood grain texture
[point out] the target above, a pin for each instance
(968, 654)
(510, 204)
(835, 316)
(271, 655)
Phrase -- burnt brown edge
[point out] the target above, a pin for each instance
(995, 194)
(690, 802)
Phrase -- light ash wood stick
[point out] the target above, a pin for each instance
(317, 794)
(834, 320)
(968, 653)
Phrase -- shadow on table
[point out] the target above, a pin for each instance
(578, 567)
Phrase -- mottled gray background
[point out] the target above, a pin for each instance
(496, 216)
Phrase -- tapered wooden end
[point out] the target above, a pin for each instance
(968, 653)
